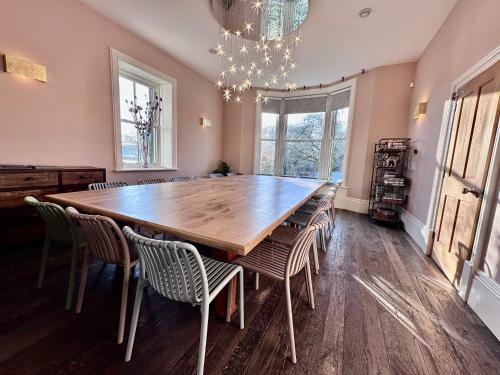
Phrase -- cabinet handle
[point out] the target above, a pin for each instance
(29, 178)
(83, 177)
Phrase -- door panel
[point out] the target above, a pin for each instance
(474, 128)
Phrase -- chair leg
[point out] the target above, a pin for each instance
(241, 305)
(290, 320)
(229, 300)
(321, 240)
(83, 281)
(309, 283)
(43, 262)
(325, 245)
(257, 281)
(306, 279)
(135, 317)
(72, 277)
(123, 308)
(315, 254)
(203, 338)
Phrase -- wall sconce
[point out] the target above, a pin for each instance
(17, 65)
(206, 123)
(420, 110)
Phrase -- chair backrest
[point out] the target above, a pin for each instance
(300, 250)
(172, 268)
(201, 178)
(107, 185)
(215, 175)
(323, 206)
(104, 238)
(59, 226)
(180, 179)
(148, 181)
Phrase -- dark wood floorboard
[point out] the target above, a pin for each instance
(382, 307)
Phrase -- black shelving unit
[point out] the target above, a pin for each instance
(388, 193)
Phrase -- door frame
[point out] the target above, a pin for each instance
(471, 266)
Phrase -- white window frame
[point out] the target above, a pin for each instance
(166, 147)
(325, 158)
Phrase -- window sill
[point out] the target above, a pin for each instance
(144, 169)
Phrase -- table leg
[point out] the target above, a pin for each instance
(220, 301)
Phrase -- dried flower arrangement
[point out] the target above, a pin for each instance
(145, 121)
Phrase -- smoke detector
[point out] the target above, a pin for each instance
(364, 13)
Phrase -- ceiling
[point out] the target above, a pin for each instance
(335, 40)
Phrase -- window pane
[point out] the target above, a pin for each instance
(142, 93)
(301, 159)
(340, 118)
(267, 152)
(130, 144)
(307, 126)
(126, 93)
(338, 153)
(269, 125)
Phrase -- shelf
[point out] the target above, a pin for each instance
(390, 163)
(381, 184)
(394, 203)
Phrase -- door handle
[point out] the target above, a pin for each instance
(474, 192)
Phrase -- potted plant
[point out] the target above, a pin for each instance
(223, 168)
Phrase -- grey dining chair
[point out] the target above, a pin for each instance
(105, 241)
(107, 185)
(149, 181)
(282, 263)
(59, 228)
(180, 179)
(178, 272)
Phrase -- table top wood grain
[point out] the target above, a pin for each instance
(232, 214)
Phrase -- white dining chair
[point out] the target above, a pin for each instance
(178, 272)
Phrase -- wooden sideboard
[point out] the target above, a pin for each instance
(20, 225)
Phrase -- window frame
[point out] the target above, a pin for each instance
(325, 155)
(166, 144)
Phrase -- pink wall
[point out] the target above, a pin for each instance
(381, 111)
(68, 121)
(239, 133)
(470, 32)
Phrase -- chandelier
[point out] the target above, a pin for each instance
(257, 44)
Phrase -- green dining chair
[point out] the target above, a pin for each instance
(59, 228)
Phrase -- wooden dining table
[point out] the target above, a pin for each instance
(231, 214)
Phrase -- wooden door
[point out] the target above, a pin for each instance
(475, 125)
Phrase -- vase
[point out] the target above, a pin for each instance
(144, 145)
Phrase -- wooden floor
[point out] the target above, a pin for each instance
(381, 308)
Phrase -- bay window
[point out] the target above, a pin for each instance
(305, 134)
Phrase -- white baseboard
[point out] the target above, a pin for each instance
(352, 204)
(484, 299)
(416, 229)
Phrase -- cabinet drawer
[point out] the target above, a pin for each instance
(28, 179)
(11, 199)
(82, 177)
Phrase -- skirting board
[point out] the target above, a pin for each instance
(351, 204)
(484, 299)
(416, 229)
